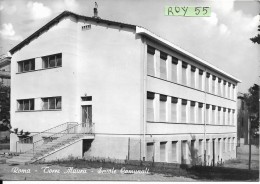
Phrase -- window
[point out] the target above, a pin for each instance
(150, 106)
(229, 118)
(25, 105)
(149, 151)
(150, 61)
(213, 114)
(219, 87)
(231, 92)
(184, 152)
(26, 140)
(228, 90)
(184, 73)
(219, 116)
(163, 71)
(27, 65)
(224, 89)
(51, 103)
(200, 148)
(234, 143)
(192, 112)
(163, 99)
(224, 116)
(162, 151)
(207, 147)
(200, 113)
(174, 151)
(207, 114)
(229, 144)
(233, 117)
(224, 145)
(174, 109)
(183, 111)
(174, 69)
(200, 79)
(192, 77)
(52, 61)
(86, 98)
(207, 82)
(219, 147)
(213, 84)
(193, 150)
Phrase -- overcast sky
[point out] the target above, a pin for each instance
(222, 39)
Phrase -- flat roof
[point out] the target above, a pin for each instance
(138, 29)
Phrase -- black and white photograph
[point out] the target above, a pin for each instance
(129, 90)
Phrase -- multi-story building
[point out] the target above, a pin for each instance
(5, 69)
(140, 96)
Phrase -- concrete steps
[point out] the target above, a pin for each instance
(45, 149)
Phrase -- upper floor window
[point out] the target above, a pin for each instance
(25, 105)
(183, 110)
(192, 76)
(174, 109)
(207, 82)
(174, 69)
(163, 71)
(150, 106)
(150, 61)
(51, 103)
(192, 111)
(52, 61)
(213, 84)
(200, 113)
(200, 79)
(26, 65)
(219, 87)
(163, 99)
(184, 73)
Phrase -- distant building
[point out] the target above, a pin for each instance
(133, 94)
(5, 69)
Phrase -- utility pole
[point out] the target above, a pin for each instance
(249, 132)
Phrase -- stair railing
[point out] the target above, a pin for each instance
(77, 129)
(39, 136)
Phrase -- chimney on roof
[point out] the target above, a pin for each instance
(96, 11)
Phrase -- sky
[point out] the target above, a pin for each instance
(221, 39)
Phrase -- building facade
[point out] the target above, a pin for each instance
(143, 97)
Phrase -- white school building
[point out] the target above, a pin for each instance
(85, 86)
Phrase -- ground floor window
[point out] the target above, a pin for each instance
(150, 151)
(162, 151)
(51, 103)
(25, 105)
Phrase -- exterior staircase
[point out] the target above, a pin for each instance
(54, 143)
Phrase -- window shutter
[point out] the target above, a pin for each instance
(150, 50)
(200, 71)
(200, 105)
(184, 102)
(213, 107)
(234, 85)
(163, 98)
(192, 103)
(150, 95)
(225, 82)
(174, 100)
(193, 68)
(229, 84)
(208, 74)
(174, 60)
(233, 110)
(224, 109)
(213, 77)
(219, 80)
(184, 64)
(229, 110)
(207, 106)
(163, 55)
(219, 108)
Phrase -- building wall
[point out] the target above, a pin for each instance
(110, 73)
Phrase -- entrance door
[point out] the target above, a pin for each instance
(86, 118)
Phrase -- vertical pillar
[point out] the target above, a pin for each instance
(179, 72)
(188, 112)
(197, 78)
(169, 68)
(157, 63)
(188, 76)
(168, 109)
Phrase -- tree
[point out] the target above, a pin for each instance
(4, 102)
(256, 39)
(252, 102)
